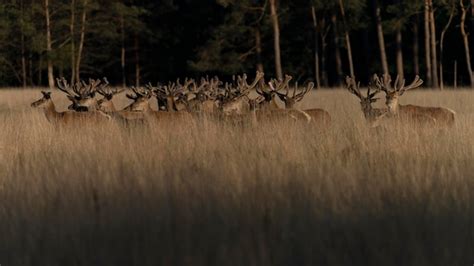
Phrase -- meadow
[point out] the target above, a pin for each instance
(208, 193)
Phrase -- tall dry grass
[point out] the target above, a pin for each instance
(213, 194)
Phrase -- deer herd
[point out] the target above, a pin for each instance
(232, 101)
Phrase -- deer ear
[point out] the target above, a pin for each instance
(131, 97)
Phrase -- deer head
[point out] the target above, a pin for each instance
(274, 86)
(236, 100)
(168, 94)
(365, 101)
(106, 104)
(140, 99)
(44, 101)
(290, 101)
(80, 94)
(243, 88)
(393, 93)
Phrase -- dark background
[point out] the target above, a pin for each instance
(215, 37)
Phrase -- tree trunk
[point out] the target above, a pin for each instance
(472, 15)
(30, 68)
(316, 48)
(399, 43)
(416, 47)
(81, 41)
(381, 39)
(73, 48)
(258, 45)
(324, 44)
(40, 70)
(466, 42)
(49, 48)
(122, 53)
(434, 59)
(427, 45)
(455, 74)
(348, 40)
(137, 61)
(23, 56)
(441, 45)
(337, 51)
(276, 38)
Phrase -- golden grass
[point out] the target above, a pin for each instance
(213, 194)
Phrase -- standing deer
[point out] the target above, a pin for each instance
(318, 116)
(140, 98)
(265, 107)
(67, 117)
(141, 105)
(371, 114)
(204, 100)
(269, 102)
(106, 104)
(431, 115)
(81, 94)
(239, 103)
(168, 102)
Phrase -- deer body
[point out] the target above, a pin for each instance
(372, 115)
(439, 116)
(66, 117)
(316, 116)
(141, 109)
(424, 116)
(237, 106)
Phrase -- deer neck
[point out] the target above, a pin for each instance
(253, 116)
(393, 106)
(273, 104)
(50, 111)
(170, 104)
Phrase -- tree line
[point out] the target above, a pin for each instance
(133, 41)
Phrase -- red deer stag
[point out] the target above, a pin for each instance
(371, 114)
(67, 117)
(439, 116)
(318, 116)
(81, 94)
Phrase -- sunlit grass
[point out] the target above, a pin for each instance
(207, 193)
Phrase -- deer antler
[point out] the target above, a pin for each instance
(417, 82)
(243, 87)
(372, 85)
(277, 85)
(106, 91)
(399, 85)
(353, 87)
(63, 86)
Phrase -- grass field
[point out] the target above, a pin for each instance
(213, 194)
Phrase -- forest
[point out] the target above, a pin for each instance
(133, 42)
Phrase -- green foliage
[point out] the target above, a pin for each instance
(178, 38)
(232, 43)
(400, 13)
